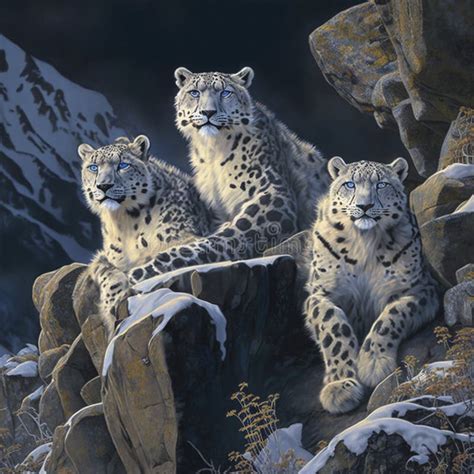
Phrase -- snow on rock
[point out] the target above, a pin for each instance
(422, 440)
(166, 303)
(33, 396)
(25, 369)
(278, 444)
(28, 349)
(468, 206)
(159, 280)
(38, 453)
(458, 171)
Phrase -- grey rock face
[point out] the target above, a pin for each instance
(459, 304)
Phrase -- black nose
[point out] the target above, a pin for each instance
(209, 113)
(104, 187)
(365, 207)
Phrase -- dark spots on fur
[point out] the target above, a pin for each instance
(346, 330)
(327, 341)
(340, 240)
(265, 199)
(367, 344)
(351, 261)
(337, 348)
(137, 274)
(134, 213)
(329, 314)
(393, 311)
(243, 224)
(274, 216)
(252, 210)
(144, 242)
(147, 219)
(423, 301)
(338, 226)
(245, 121)
(345, 355)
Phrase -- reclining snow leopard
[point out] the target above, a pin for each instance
(368, 286)
(259, 179)
(145, 206)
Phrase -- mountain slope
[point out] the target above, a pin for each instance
(43, 220)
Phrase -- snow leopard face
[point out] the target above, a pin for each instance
(210, 103)
(368, 194)
(116, 176)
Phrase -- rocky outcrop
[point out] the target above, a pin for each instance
(459, 300)
(400, 61)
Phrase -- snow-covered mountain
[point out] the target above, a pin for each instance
(43, 220)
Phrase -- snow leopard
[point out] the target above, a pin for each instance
(368, 286)
(144, 204)
(256, 175)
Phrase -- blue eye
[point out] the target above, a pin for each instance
(350, 185)
(381, 185)
(225, 93)
(194, 93)
(93, 168)
(123, 166)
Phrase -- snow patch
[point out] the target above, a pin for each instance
(36, 454)
(36, 394)
(278, 444)
(166, 303)
(28, 368)
(458, 171)
(468, 206)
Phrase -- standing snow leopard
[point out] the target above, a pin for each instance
(145, 206)
(259, 179)
(368, 283)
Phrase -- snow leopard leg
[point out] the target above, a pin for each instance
(398, 320)
(331, 330)
(113, 285)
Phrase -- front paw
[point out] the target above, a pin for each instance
(341, 396)
(373, 366)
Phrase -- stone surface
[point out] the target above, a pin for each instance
(85, 306)
(73, 370)
(382, 392)
(459, 304)
(57, 318)
(89, 446)
(47, 361)
(58, 462)
(422, 142)
(50, 409)
(353, 52)
(440, 194)
(447, 244)
(458, 146)
(433, 42)
(90, 392)
(465, 273)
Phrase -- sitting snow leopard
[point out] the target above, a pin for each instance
(258, 178)
(368, 285)
(145, 205)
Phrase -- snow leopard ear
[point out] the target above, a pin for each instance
(182, 75)
(400, 167)
(244, 77)
(85, 151)
(140, 147)
(336, 166)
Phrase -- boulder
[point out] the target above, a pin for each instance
(447, 244)
(458, 145)
(47, 361)
(432, 41)
(465, 273)
(73, 370)
(442, 192)
(88, 444)
(50, 409)
(90, 392)
(353, 52)
(459, 304)
(58, 461)
(58, 321)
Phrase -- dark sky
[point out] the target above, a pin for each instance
(128, 50)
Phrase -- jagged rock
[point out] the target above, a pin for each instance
(429, 40)
(422, 142)
(37, 292)
(90, 392)
(442, 193)
(353, 52)
(13, 391)
(94, 335)
(47, 361)
(88, 443)
(447, 244)
(459, 304)
(58, 321)
(465, 273)
(50, 409)
(57, 460)
(70, 374)
(85, 306)
(458, 146)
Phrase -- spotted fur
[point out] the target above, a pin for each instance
(369, 287)
(144, 205)
(257, 176)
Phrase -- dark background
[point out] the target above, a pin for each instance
(129, 49)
